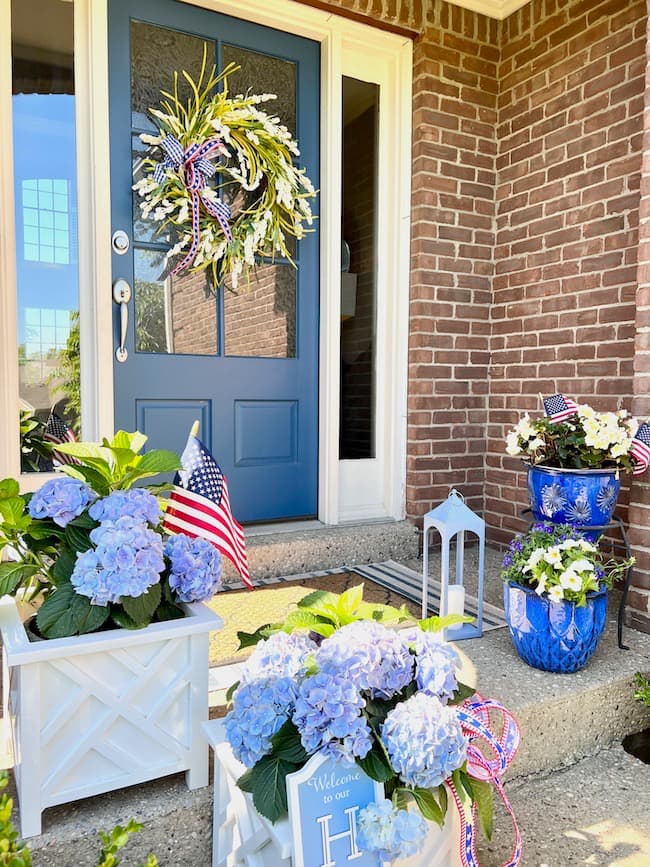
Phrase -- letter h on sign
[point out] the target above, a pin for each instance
(328, 839)
(324, 797)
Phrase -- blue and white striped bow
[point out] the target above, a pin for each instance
(197, 170)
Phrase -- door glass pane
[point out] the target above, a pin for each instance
(45, 188)
(261, 321)
(358, 269)
(261, 73)
(155, 53)
(144, 229)
(172, 314)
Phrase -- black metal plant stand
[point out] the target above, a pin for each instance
(615, 524)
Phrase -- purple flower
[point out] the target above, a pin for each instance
(195, 568)
(127, 561)
(424, 741)
(61, 500)
(135, 503)
(281, 654)
(328, 716)
(260, 709)
(391, 833)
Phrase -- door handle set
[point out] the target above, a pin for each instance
(122, 295)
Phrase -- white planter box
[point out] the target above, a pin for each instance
(97, 712)
(244, 838)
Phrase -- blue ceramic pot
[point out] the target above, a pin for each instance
(554, 636)
(583, 497)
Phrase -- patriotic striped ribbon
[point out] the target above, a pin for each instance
(197, 170)
(486, 762)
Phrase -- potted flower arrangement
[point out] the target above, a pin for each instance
(555, 592)
(118, 680)
(575, 457)
(337, 679)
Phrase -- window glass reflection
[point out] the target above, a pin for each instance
(43, 107)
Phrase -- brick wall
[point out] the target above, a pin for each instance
(454, 177)
(571, 82)
(638, 612)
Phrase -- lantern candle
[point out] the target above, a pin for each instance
(455, 603)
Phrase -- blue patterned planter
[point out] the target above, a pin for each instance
(582, 497)
(554, 636)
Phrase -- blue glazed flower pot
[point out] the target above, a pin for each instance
(554, 636)
(583, 497)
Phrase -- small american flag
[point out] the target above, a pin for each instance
(640, 449)
(199, 506)
(559, 408)
(57, 432)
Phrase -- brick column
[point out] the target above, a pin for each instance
(638, 613)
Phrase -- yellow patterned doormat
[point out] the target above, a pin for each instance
(386, 583)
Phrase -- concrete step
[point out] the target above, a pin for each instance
(309, 546)
(565, 719)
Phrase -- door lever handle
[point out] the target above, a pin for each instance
(122, 295)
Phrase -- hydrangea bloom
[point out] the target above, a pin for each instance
(279, 654)
(126, 562)
(61, 499)
(260, 709)
(375, 658)
(424, 741)
(135, 503)
(389, 832)
(328, 716)
(195, 572)
(436, 663)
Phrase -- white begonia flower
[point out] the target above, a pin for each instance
(556, 594)
(512, 444)
(524, 428)
(585, 411)
(620, 449)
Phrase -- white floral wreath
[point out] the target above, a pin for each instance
(220, 227)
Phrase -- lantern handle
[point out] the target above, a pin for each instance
(454, 493)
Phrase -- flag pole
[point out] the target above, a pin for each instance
(194, 432)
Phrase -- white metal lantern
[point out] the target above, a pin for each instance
(452, 519)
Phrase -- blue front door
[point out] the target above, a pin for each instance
(244, 364)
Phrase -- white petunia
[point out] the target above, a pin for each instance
(556, 594)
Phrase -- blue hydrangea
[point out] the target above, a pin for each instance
(279, 654)
(61, 500)
(260, 709)
(135, 503)
(195, 568)
(127, 561)
(328, 710)
(389, 832)
(373, 657)
(424, 741)
(436, 663)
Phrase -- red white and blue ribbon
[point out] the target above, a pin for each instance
(197, 170)
(489, 754)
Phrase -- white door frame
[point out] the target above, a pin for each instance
(348, 490)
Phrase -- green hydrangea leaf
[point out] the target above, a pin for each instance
(12, 575)
(266, 781)
(141, 609)
(66, 613)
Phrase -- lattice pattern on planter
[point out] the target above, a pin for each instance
(99, 712)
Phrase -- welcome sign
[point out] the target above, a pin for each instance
(325, 798)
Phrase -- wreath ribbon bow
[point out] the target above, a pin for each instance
(487, 762)
(197, 170)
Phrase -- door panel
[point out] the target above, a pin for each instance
(245, 365)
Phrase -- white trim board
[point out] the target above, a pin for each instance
(348, 490)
